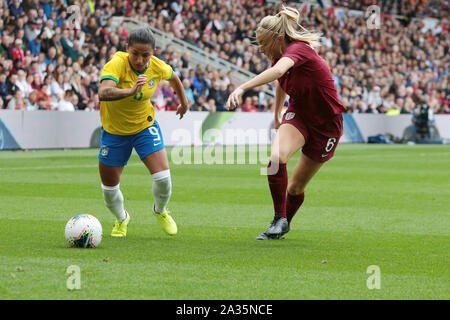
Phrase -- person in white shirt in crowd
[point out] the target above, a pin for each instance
(30, 102)
(176, 6)
(374, 97)
(57, 88)
(90, 106)
(66, 82)
(15, 101)
(66, 103)
(28, 84)
(22, 82)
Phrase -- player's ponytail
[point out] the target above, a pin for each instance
(141, 35)
(286, 23)
(290, 14)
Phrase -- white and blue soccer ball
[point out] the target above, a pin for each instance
(83, 231)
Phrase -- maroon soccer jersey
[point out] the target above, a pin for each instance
(310, 85)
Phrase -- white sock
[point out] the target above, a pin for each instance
(114, 201)
(162, 189)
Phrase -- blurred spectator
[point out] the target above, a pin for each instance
(75, 85)
(56, 86)
(35, 45)
(31, 102)
(42, 103)
(17, 52)
(12, 84)
(5, 93)
(33, 29)
(43, 93)
(158, 100)
(200, 85)
(219, 94)
(15, 9)
(203, 105)
(256, 104)
(210, 106)
(51, 56)
(188, 91)
(90, 106)
(16, 103)
(248, 106)
(74, 100)
(170, 98)
(66, 104)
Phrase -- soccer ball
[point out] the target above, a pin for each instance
(83, 231)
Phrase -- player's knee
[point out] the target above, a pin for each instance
(162, 183)
(295, 187)
(280, 156)
(111, 195)
(163, 188)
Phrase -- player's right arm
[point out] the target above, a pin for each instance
(280, 97)
(267, 76)
(109, 92)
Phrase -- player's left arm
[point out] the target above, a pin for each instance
(177, 86)
(271, 74)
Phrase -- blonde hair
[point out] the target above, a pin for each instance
(285, 23)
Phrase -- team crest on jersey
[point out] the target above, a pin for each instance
(104, 152)
(151, 82)
(289, 116)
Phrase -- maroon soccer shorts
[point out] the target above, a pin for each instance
(320, 141)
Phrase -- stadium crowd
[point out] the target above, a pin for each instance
(51, 61)
(408, 9)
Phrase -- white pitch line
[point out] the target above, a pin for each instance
(342, 156)
(64, 167)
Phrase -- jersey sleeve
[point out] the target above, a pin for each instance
(162, 68)
(299, 52)
(112, 70)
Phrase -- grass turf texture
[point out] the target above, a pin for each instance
(370, 205)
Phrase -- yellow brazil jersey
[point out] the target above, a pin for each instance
(133, 114)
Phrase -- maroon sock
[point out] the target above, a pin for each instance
(293, 202)
(278, 185)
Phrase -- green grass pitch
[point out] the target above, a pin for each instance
(371, 205)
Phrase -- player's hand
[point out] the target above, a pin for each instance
(234, 100)
(140, 82)
(181, 110)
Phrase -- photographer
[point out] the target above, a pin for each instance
(423, 120)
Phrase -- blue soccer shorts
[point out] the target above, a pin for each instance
(115, 150)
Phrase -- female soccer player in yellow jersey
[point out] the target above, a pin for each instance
(127, 83)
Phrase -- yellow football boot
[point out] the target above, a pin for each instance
(120, 227)
(167, 222)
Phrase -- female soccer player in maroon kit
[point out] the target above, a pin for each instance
(313, 120)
